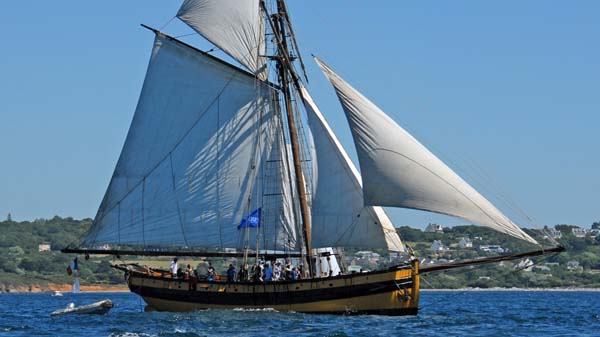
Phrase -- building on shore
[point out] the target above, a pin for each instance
(594, 232)
(573, 265)
(579, 232)
(492, 249)
(552, 233)
(438, 246)
(465, 243)
(434, 228)
(368, 255)
(44, 247)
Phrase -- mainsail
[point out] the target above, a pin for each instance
(338, 212)
(399, 171)
(192, 167)
(232, 25)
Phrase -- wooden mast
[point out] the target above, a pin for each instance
(284, 67)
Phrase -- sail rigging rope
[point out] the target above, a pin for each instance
(177, 200)
(168, 22)
(190, 34)
(492, 188)
(188, 131)
(507, 230)
(218, 160)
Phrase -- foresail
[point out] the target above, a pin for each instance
(399, 171)
(339, 217)
(234, 26)
(190, 169)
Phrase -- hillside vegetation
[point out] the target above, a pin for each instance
(21, 262)
(547, 272)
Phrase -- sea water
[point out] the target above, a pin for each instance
(451, 313)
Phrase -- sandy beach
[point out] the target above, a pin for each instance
(60, 287)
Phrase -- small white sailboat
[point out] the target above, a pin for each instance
(75, 289)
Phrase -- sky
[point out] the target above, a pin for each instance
(507, 93)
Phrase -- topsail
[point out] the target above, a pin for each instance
(232, 25)
(399, 171)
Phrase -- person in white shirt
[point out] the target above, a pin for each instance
(277, 271)
(174, 267)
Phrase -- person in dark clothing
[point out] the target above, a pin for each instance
(211, 272)
(231, 274)
(243, 274)
(257, 273)
(268, 273)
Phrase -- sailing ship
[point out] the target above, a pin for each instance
(226, 160)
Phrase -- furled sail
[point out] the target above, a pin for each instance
(191, 167)
(234, 26)
(399, 171)
(339, 217)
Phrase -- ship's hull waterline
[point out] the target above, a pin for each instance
(392, 292)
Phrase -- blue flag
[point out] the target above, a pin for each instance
(251, 220)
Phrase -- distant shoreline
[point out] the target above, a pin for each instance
(64, 288)
(511, 289)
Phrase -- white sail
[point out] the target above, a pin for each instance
(399, 171)
(235, 26)
(339, 217)
(190, 168)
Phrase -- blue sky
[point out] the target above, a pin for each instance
(508, 93)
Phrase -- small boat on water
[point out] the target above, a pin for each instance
(57, 293)
(98, 308)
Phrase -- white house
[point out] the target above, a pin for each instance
(438, 246)
(554, 233)
(579, 232)
(465, 243)
(434, 228)
(573, 265)
(372, 257)
(44, 247)
(492, 249)
(524, 264)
